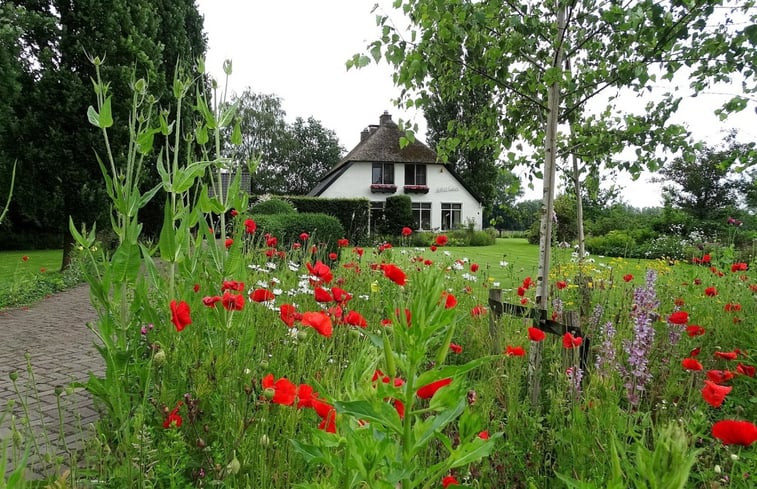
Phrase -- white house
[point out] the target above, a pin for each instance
(377, 168)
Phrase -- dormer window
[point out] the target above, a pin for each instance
(383, 174)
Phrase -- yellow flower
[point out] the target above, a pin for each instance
(374, 287)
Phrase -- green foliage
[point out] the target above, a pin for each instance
(614, 243)
(398, 213)
(352, 213)
(324, 230)
(273, 205)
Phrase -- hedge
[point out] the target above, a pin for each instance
(324, 230)
(273, 206)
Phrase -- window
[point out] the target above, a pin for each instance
(415, 174)
(451, 215)
(383, 174)
(422, 215)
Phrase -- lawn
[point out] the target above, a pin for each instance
(27, 276)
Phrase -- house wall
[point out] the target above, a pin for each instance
(355, 182)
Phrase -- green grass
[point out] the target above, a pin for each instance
(24, 282)
(13, 266)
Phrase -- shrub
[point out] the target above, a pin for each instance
(398, 213)
(614, 243)
(352, 213)
(482, 238)
(324, 230)
(273, 206)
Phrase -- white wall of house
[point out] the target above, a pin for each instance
(444, 188)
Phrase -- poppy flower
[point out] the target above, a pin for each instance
(695, 352)
(262, 295)
(281, 391)
(727, 355)
(328, 422)
(456, 348)
(180, 315)
(406, 231)
(678, 301)
(228, 243)
(319, 321)
(706, 258)
(428, 391)
(399, 406)
(322, 295)
(394, 273)
(535, 334)
(739, 267)
(304, 236)
(521, 291)
(720, 376)
(358, 251)
(478, 311)
(691, 364)
(288, 314)
(196, 287)
(732, 307)
(271, 241)
(320, 407)
(515, 351)
(342, 242)
(441, 240)
(25, 258)
(527, 283)
(232, 285)
(450, 301)
(321, 271)
(710, 291)
(173, 420)
(210, 301)
(732, 432)
(570, 341)
(694, 330)
(714, 394)
(432, 248)
(474, 267)
(340, 295)
(232, 302)
(234, 213)
(354, 318)
(627, 277)
(679, 317)
(250, 226)
(561, 284)
(747, 370)
(484, 435)
(332, 256)
(305, 396)
(449, 481)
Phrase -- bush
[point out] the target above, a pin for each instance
(614, 243)
(324, 230)
(272, 206)
(398, 213)
(482, 238)
(352, 213)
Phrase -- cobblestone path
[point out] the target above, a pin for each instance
(49, 344)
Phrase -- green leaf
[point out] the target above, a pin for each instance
(106, 117)
(451, 371)
(236, 135)
(311, 453)
(751, 34)
(472, 451)
(378, 412)
(166, 243)
(125, 263)
(93, 116)
(437, 423)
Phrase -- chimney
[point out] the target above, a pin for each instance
(364, 134)
(373, 128)
(385, 117)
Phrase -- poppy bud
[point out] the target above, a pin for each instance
(302, 335)
(269, 393)
(264, 440)
(264, 363)
(201, 443)
(159, 358)
(234, 465)
(13, 376)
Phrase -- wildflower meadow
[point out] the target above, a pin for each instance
(238, 358)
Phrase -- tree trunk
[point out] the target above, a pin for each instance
(579, 209)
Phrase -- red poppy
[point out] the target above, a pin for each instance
(343, 242)
(697, 281)
(535, 334)
(196, 287)
(271, 241)
(732, 307)
(727, 355)
(232, 302)
(627, 277)
(732, 432)
(428, 391)
(714, 394)
(262, 295)
(706, 258)
(691, 364)
(321, 271)
(484, 435)
(358, 251)
(449, 481)
(340, 295)
(322, 295)
(450, 301)
(288, 314)
(173, 420)
(561, 284)
(305, 396)
(328, 422)
(679, 317)
(406, 231)
(319, 321)
(25, 258)
(180, 315)
(695, 352)
(456, 348)
(332, 256)
(710, 291)
(739, 267)
(232, 285)
(524, 301)
(234, 213)
(515, 351)
(747, 370)
(478, 311)
(250, 226)
(228, 243)
(570, 341)
(399, 406)
(720, 376)
(210, 301)
(281, 391)
(394, 273)
(432, 248)
(527, 283)
(521, 291)
(678, 301)
(474, 267)
(354, 318)
(304, 236)
(384, 246)
(441, 240)
(695, 330)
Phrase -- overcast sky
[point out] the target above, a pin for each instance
(297, 49)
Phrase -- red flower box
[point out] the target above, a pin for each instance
(383, 188)
(416, 189)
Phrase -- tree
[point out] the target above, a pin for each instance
(503, 213)
(314, 150)
(703, 186)
(58, 174)
(544, 61)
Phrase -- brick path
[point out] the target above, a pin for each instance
(54, 338)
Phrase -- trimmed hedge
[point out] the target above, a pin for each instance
(398, 213)
(352, 213)
(273, 206)
(324, 230)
